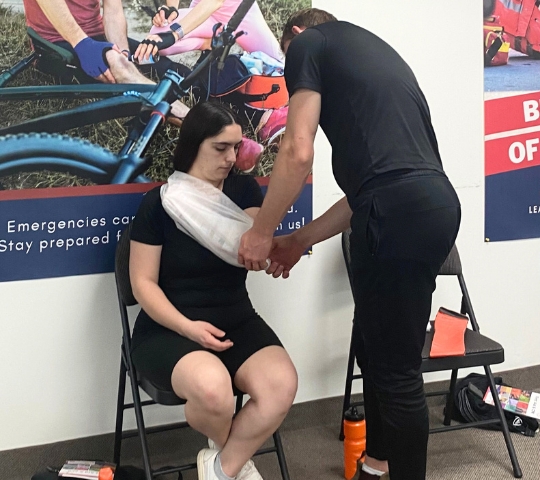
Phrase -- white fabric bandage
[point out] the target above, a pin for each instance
(206, 214)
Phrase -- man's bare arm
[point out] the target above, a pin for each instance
(291, 168)
(293, 162)
(115, 24)
(58, 13)
(335, 220)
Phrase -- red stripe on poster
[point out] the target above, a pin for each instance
(512, 113)
(512, 153)
(76, 191)
(59, 192)
(264, 181)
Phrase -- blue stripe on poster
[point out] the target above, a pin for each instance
(513, 205)
(77, 235)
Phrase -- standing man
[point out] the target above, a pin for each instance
(402, 209)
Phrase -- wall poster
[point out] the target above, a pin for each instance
(512, 119)
(62, 209)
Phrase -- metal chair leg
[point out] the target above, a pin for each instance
(450, 399)
(137, 407)
(239, 403)
(348, 387)
(281, 456)
(506, 432)
(119, 414)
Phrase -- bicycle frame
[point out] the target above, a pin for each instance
(127, 100)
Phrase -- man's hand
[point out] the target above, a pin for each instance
(164, 16)
(206, 335)
(285, 254)
(254, 250)
(91, 54)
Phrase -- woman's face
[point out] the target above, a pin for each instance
(217, 155)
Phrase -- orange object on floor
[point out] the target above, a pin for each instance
(106, 473)
(354, 445)
(449, 336)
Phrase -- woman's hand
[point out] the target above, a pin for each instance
(165, 16)
(153, 43)
(206, 335)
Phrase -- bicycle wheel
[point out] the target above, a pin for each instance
(30, 152)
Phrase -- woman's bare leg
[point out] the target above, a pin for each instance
(270, 380)
(202, 379)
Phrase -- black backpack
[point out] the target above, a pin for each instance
(469, 406)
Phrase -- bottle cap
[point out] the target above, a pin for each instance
(353, 415)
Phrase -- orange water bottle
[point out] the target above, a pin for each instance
(354, 445)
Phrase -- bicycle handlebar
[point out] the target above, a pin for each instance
(239, 15)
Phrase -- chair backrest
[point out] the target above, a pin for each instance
(121, 268)
(451, 266)
(43, 46)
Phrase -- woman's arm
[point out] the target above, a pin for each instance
(252, 211)
(195, 17)
(144, 261)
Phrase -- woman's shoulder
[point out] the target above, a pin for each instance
(237, 181)
(244, 190)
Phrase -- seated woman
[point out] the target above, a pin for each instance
(198, 333)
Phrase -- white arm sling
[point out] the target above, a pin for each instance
(206, 214)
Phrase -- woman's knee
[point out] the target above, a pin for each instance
(276, 388)
(213, 393)
(208, 386)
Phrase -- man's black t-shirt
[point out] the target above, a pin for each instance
(373, 111)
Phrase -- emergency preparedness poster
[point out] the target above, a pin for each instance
(512, 120)
(57, 221)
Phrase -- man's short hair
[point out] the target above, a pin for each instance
(309, 17)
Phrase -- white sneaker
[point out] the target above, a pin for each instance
(247, 472)
(205, 464)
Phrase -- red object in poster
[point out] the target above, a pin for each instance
(520, 20)
(496, 47)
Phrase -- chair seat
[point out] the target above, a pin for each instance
(479, 351)
(163, 397)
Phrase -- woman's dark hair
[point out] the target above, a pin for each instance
(204, 120)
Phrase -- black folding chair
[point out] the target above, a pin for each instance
(157, 395)
(480, 351)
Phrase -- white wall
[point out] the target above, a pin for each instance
(59, 351)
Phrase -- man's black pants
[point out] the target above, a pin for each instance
(403, 228)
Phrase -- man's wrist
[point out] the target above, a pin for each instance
(301, 236)
(78, 39)
(262, 230)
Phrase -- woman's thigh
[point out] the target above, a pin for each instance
(249, 337)
(201, 376)
(157, 351)
(268, 373)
